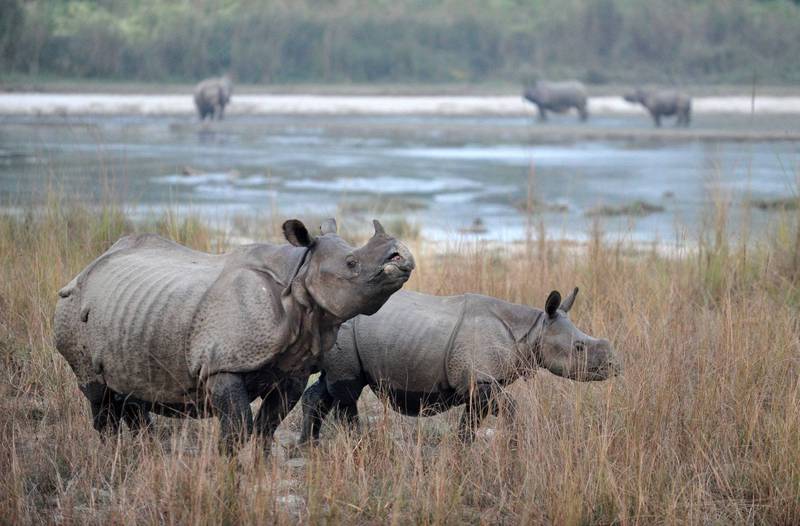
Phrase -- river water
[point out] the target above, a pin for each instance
(441, 173)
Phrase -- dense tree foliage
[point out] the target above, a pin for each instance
(405, 41)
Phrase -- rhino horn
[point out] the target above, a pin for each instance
(328, 227)
(552, 303)
(378, 227)
(566, 305)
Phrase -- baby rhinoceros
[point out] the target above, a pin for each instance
(151, 325)
(427, 354)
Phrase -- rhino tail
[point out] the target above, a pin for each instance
(68, 289)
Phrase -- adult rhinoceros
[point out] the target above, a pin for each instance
(663, 103)
(427, 354)
(211, 96)
(151, 325)
(558, 97)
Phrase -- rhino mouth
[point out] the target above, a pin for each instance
(398, 263)
(598, 374)
(396, 270)
(392, 272)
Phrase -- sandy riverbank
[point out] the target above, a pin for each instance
(128, 104)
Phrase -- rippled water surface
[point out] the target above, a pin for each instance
(441, 173)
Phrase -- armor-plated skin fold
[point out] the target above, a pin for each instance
(428, 353)
(159, 326)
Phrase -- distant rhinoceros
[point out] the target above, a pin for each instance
(211, 96)
(427, 354)
(662, 103)
(151, 325)
(558, 97)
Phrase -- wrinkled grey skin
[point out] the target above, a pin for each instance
(663, 103)
(211, 96)
(151, 325)
(558, 97)
(427, 354)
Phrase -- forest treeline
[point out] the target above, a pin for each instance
(408, 41)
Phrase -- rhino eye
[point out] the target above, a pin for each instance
(352, 263)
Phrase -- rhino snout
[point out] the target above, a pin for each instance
(399, 261)
(607, 363)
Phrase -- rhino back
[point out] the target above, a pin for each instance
(405, 344)
(562, 94)
(667, 102)
(138, 308)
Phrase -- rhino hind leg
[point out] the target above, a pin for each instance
(317, 403)
(345, 395)
(346, 413)
(583, 113)
(135, 414)
(105, 412)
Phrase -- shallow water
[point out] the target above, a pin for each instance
(439, 172)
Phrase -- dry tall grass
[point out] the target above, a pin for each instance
(702, 428)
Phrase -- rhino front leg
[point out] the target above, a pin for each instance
(505, 407)
(477, 408)
(656, 118)
(228, 396)
(317, 403)
(275, 405)
(542, 113)
(583, 113)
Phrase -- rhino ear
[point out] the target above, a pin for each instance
(328, 227)
(378, 228)
(566, 305)
(297, 234)
(552, 303)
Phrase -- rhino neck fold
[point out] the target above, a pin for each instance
(529, 348)
(309, 325)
